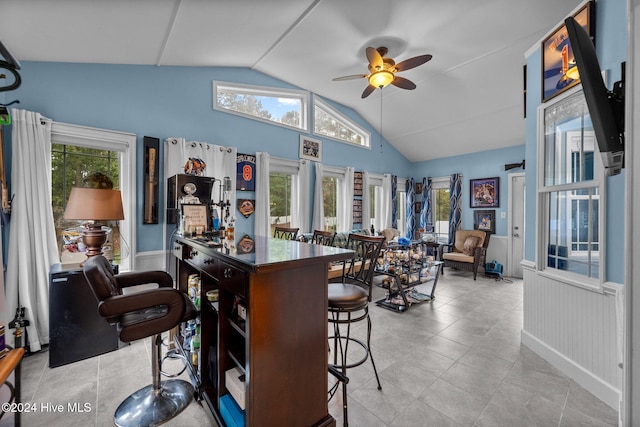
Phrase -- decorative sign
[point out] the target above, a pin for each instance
(246, 245)
(246, 172)
(246, 207)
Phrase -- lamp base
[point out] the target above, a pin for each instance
(94, 237)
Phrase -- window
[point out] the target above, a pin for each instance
(76, 153)
(288, 193)
(330, 203)
(280, 185)
(285, 107)
(570, 189)
(329, 122)
(401, 212)
(440, 207)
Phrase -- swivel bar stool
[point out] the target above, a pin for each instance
(138, 315)
(348, 304)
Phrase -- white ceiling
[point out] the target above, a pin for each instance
(469, 96)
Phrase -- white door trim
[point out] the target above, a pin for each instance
(510, 178)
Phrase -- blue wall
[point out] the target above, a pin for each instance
(485, 164)
(178, 101)
(611, 47)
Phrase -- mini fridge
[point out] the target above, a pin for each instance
(76, 330)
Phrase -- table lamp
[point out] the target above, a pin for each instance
(92, 204)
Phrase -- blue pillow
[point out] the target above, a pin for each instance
(403, 241)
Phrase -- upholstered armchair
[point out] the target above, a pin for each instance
(468, 252)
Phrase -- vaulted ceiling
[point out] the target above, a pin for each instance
(469, 97)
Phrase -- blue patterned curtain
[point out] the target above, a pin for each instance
(455, 205)
(394, 201)
(411, 216)
(426, 218)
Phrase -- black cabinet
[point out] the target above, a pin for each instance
(76, 330)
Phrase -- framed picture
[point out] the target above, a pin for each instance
(196, 218)
(559, 71)
(150, 209)
(245, 172)
(357, 183)
(417, 207)
(310, 148)
(485, 192)
(418, 188)
(485, 221)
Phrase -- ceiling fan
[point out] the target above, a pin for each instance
(383, 71)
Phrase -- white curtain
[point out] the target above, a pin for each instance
(220, 162)
(262, 225)
(318, 200)
(344, 204)
(344, 196)
(32, 242)
(384, 219)
(300, 202)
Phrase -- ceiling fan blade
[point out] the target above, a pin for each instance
(368, 91)
(410, 63)
(351, 77)
(374, 58)
(403, 83)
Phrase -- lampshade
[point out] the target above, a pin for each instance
(381, 78)
(94, 204)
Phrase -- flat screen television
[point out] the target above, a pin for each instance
(606, 108)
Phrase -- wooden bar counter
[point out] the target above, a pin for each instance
(270, 322)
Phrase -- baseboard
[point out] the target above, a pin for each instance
(151, 260)
(597, 387)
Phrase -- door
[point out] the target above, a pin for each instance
(516, 224)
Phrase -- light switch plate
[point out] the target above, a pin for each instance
(503, 214)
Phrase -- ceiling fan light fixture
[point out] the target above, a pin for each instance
(381, 79)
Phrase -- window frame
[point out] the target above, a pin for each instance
(401, 208)
(256, 90)
(124, 143)
(286, 167)
(323, 105)
(443, 182)
(543, 196)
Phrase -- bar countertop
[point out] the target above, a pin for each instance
(262, 252)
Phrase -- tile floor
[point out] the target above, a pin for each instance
(456, 361)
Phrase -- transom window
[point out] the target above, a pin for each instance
(329, 122)
(285, 107)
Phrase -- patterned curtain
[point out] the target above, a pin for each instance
(394, 201)
(455, 205)
(426, 217)
(411, 216)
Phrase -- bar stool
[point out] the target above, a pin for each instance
(144, 314)
(349, 304)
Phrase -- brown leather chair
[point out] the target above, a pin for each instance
(348, 303)
(286, 233)
(138, 315)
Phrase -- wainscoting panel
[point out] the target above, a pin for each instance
(575, 330)
(151, 260)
